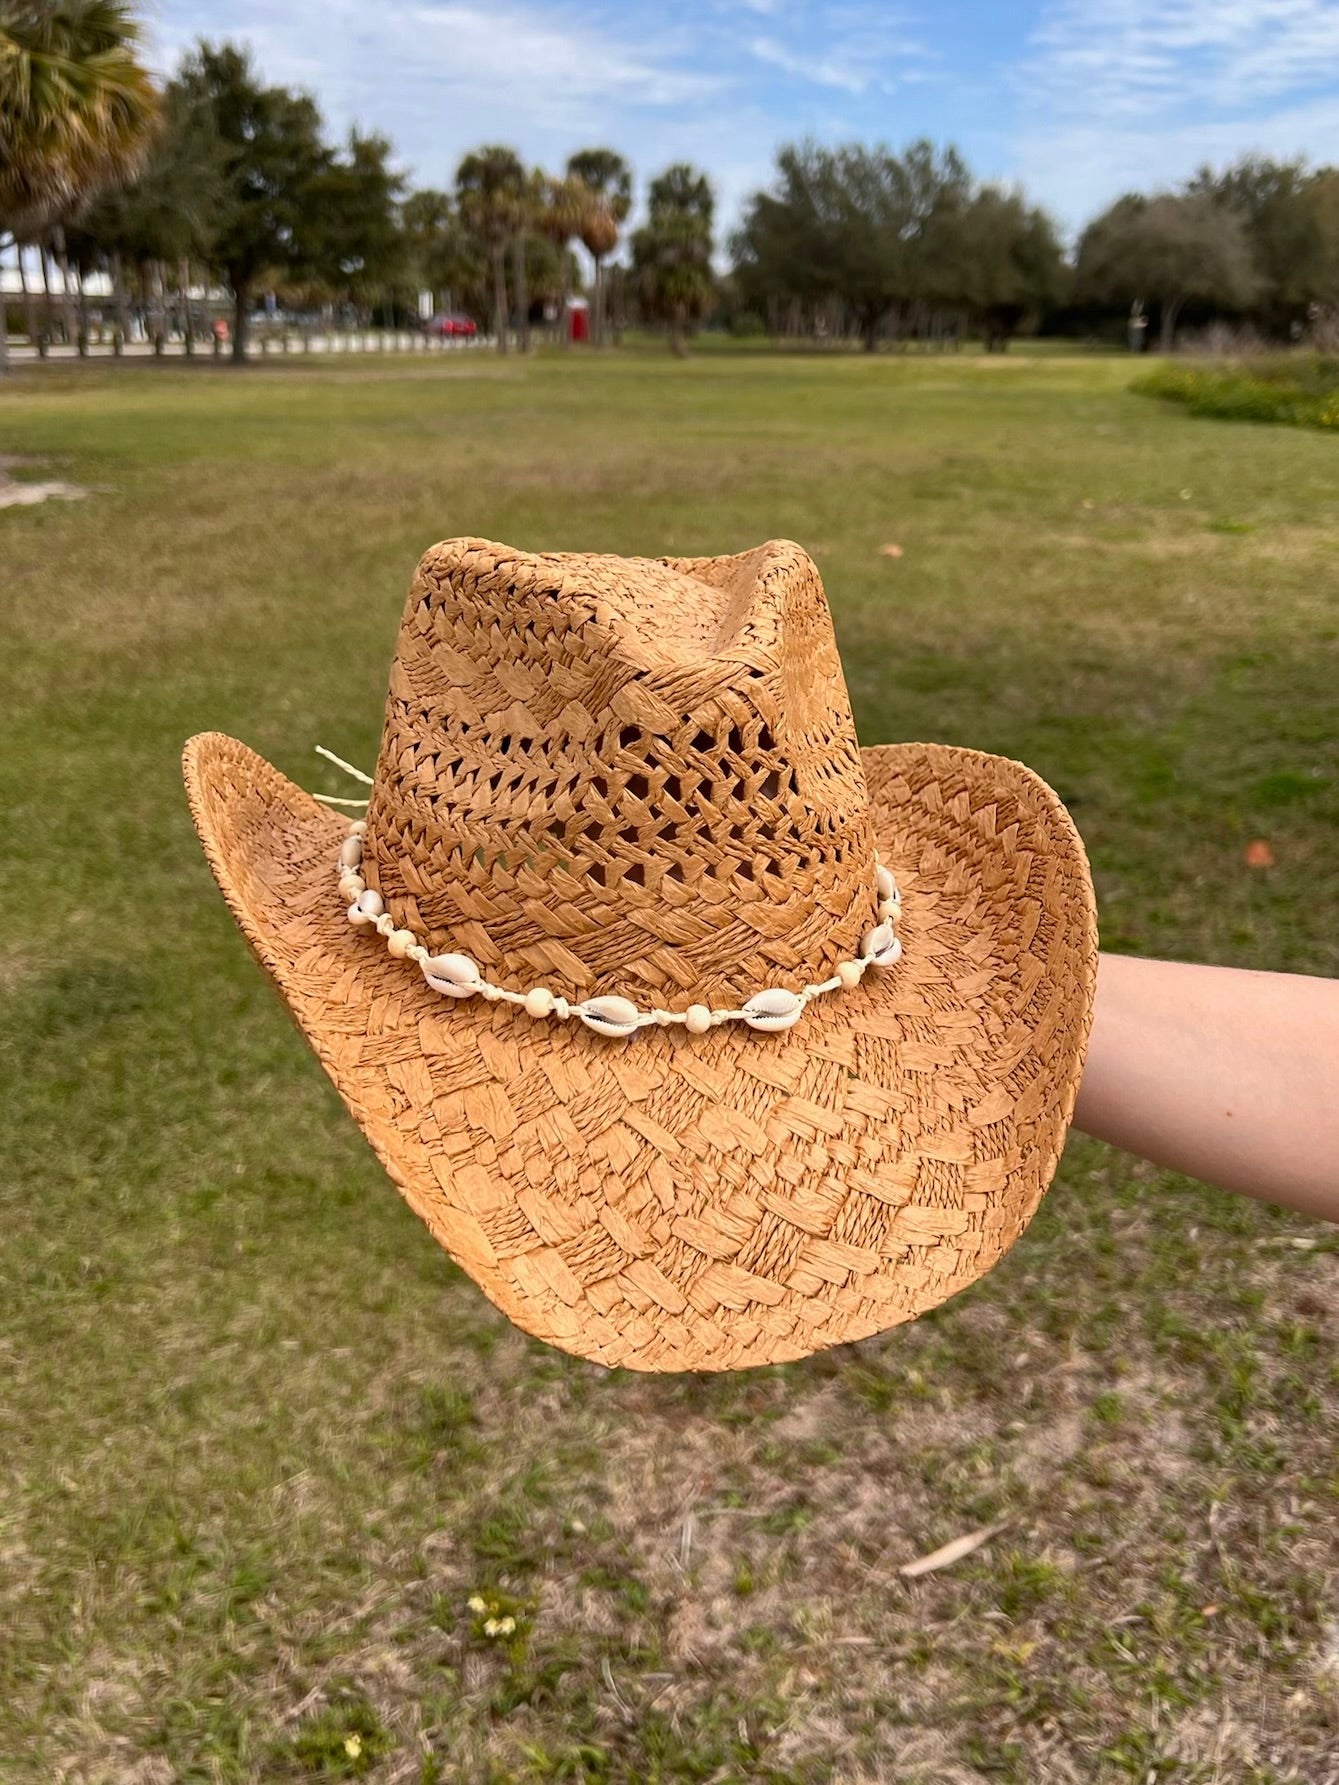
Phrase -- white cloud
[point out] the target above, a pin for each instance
(853, 48)
(825, 71)
(1136, 56)
(488, 70)
(1077, 169)
(1126, 94)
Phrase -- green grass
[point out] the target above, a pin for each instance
(1299, 390)
(264, 1442)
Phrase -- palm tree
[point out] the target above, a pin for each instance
(671, 253)
(75, 104)
(606, 177)
(530, 205)
(76, 109)
(566, 204)
(489, 187)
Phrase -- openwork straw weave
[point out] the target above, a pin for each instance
(641, 776)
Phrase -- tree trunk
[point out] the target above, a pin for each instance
(4, 318)
(564, 294)
(1171, 309)
(597, 304)
(500, 294)
(48, 313)
(122, 334)
(66, 295)
(157, 286)
(81, 285)
(29, 299)
(187, 322)
(522, 289)
(677, 346)
(240, 321)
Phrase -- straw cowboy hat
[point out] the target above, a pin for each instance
(698, 1035)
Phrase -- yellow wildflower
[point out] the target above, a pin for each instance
(353, 1745)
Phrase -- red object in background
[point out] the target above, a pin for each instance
(578, 323)
(219, 329)
(451, 325)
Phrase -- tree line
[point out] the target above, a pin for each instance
(856, 241)
(218, 176)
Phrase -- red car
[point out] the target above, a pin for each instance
(451, 325)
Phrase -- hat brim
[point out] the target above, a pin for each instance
(711, 1202)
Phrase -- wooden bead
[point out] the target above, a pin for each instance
(399, 943)
(539, 1002)
(350, 885)
(697, 1019)
(849, 972)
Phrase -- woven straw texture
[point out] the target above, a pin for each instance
(641, 776)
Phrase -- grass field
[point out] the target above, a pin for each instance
(263, 1442)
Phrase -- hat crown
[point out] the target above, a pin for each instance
(623, 774)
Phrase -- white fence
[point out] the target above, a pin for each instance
(264, 342)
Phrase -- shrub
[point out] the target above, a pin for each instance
(1294, 390)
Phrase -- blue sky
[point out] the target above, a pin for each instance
(1077, 99)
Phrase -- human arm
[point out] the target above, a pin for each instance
(1228, 1075)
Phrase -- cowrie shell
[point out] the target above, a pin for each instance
(884, 882)
(609, 1016)
(454, 974)
(370, 903)
(773, 1009)
(881, 946)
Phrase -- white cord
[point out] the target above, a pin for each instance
(331, 799)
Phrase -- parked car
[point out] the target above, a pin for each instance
(453, 324)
